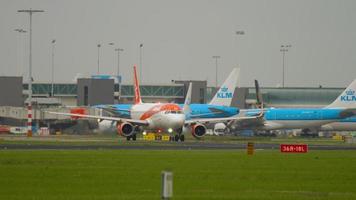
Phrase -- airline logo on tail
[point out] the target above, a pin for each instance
(349, 96)
(347, 99)
(136, 88)
(224, 93)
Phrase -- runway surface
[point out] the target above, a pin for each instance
(170, 146)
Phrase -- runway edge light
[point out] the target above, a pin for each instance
(250, 148)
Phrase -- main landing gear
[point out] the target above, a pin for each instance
(133, 137)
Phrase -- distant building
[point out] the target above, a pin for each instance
(11, 91)
(95, 91)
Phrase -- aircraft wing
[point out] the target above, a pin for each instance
(115, 109)
(204, 114)
(251, 122)
(112, 110)
(117, 119)
(229, 120)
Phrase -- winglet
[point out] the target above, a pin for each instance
(347, 98)
(188, 99)
(224, 95)
(136, 88)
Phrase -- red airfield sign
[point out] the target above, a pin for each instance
(294, 148)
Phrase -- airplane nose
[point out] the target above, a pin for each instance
(178, 120)
(182, 119)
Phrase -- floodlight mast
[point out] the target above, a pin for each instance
(52, 74)
(29, 106)
(118, 60)
(284, 49)
(216, 70)
(20, 31)
(141, 64)
(118, 69)
(98, 70)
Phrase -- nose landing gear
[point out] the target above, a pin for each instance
(179, 136)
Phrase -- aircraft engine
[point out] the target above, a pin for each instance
(198, 130)
(125, 129)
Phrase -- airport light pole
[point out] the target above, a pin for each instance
(118, 69)
(112, 44)
(20, 31)
(238, 34)
(29, 107)
(52, 81)
(118, 60)
(216, 70)
(98, 70)
(284, 49)
(141, 52)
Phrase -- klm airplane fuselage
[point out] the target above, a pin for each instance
(211, 111)
(278, 118)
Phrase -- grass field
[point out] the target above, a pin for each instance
(135, 174)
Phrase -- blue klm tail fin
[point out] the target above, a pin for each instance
(347, 98)
(224, 95)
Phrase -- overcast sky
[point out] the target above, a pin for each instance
(180, 38)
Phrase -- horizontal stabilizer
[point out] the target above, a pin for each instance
(348, 113)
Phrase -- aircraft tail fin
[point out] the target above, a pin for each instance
(136, 88)
(224, 95)
(188, 98)
(347, 98)
(258, 94)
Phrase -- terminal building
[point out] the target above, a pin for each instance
(70, 95)
(89, 92)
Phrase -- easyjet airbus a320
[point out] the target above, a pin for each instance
(158, 117)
